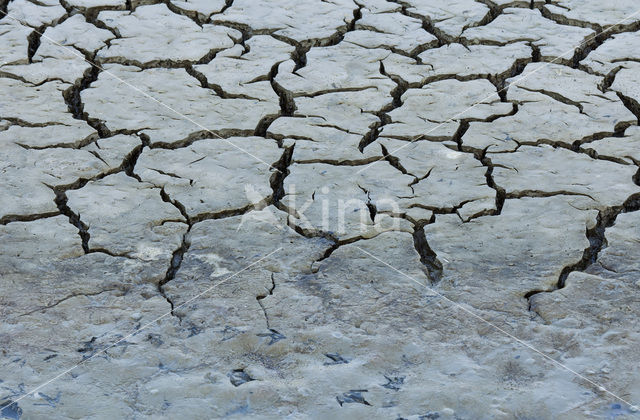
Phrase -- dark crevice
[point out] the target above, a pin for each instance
(373, 210)
(264, 123)
(492, 14)
(311, 233)
(197, 17)
(530, 294)
(4, 5)
(602, 32)
(535, 53)
(342, 162)
(73, 99)
(418, 179)
(632, 105)
(384, 119)
(427, 256)
(597, 242)
(514, 111)
(500, 192)
(176, 261)
(91, 138)
(299, 56)
(286, 100)
(314, 233)
(27, 82)
(164, 63)
(262, 296)
(538, 194)
(563, 20)
(413, 54)
(608, 79)
(332, 90)
(595, 155)
(245, 34)
(500, 80)
(556, 96)
(223, 214)
(178, 255)
(625, 60)
(427, 24)
(59, 301)
(34, 42)
(440, 210)
(353, 396)
(208, 57)
(593, 42)
(61, 201)
(227, 4)
(130, 160)
(501, 89)
(357, 15)
(451, 76)
(336, 359)
(23, 123)
(371, 207)
(338, 36)
(398, 91)
(281, 172)
(10, 218)
(34, 37)
(97, 155)
(335, 242)
(457, 136)
(181, 208)
(327, 253)
(246, 30)
(393, 161)
(576, 145)
(91, 15)
(238, 377)
(215, 87)
(596, 236)
(202, 135)
(370, 136)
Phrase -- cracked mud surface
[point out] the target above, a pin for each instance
(154, 150)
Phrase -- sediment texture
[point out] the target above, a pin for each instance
(383, 155)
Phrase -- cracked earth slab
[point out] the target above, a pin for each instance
(396, 162)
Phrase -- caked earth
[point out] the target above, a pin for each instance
(325, 209)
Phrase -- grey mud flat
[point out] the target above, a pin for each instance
(152, 150)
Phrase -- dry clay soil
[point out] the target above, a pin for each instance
(319, 209)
